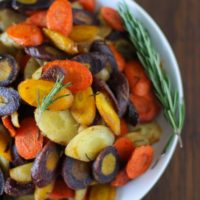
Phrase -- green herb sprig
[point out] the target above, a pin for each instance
(50, 98)
(172, 104)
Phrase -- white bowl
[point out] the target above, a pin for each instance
(138, 188)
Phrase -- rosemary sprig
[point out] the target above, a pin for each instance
(173, 105)
(50, 98)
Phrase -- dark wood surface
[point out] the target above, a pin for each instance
(180, 21)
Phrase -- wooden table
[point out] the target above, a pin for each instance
(180, 21)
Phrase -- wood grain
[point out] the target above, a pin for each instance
(180, 21)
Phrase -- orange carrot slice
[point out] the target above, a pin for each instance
(38, 18)
(28, 139)
(8, 125)
(59, 17)
(118, 57)
(124, 127)
(75, 73)
(61, 190)
(140, 161)
(124, 147)
(88, 4)
(25, 34)
(121, 179)
(112, 17)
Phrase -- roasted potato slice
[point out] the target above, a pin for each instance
(8, 70)
(31, 66)
(107, 112)
(44, 168)
(102, 192)
(138, 139)
(22, 174)
(4, 164)
(58, 126)
(83, 108)
(152, 131)
(87, 144)
(15, 189)
(106, 165)
(9, 17)
(76, 174)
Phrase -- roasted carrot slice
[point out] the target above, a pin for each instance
(124, 147)
(61, 190)
(140, 161)
(88, 4)
(25, 34)
(38, 18)
(142, 87)
(112, 17)
(28, 139)
(59, 17)
(118, 57)
(146, 106)
(8, 125)
(107, 112)
(134, 73)
(124, 127)
(75, 73)
(121, 179)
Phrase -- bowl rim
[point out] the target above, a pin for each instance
(168, 156)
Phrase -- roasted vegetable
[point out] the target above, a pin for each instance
(37, 74)
(83, 17)
(2, 182)
(5, 145)
(9, 45)
(33, 92)
(42, 193)
(9, 101)
(87, 144)
(106, 165)
(102, 47)
(16, 158)
(131, 114)
(152, 131)
(102, 192)
(120, 87)
(107, 112)
(21, 174)
(25, 197)
(4, 165)
(138, 139)
(44, 168)
(15, 189)
(83, 108)
(61, 42)
(31, 66)
(62, 123)
(81, 33)
(100, 85)
(45, 52)
(27, 5)
(80, 194)
(9, 17)
(76, 173)
(8, 70)
(95, 60)
(103, 75)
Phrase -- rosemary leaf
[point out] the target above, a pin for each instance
(172, 104)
